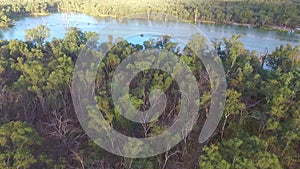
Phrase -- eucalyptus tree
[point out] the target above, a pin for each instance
(37, 35)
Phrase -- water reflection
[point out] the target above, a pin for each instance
(253, 39)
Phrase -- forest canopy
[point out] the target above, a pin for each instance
(39, 128)
(260, 126)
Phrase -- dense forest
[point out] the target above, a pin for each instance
(39, 127)
(275, 14)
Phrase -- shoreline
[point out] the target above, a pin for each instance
(267, 27)
(61, 10)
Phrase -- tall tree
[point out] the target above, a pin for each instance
(37, 35)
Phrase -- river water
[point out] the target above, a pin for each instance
(253, 39)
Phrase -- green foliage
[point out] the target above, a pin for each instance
(244, 152)
(213, 159)
(18, 143)
(284, 59)
(263, 102)
(37, 35)
(259, 129)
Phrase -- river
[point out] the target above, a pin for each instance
(253, 38)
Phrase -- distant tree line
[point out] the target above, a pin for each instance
(39, 127)
(261, 13)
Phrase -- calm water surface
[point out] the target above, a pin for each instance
(253, 39)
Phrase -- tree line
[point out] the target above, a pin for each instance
(260, 13)
(39, 127)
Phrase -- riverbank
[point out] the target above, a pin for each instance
(16, 18)
(59, 23)
(266, 27)
(154, 16)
